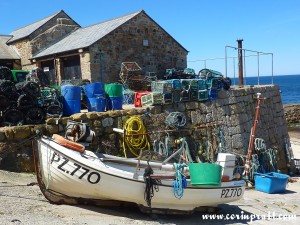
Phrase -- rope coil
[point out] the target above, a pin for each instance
(135, 138)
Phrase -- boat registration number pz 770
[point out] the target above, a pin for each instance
(71, 168)
(231, 192)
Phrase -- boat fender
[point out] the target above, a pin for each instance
(68, 143)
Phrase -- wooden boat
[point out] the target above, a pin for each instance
(68, 176)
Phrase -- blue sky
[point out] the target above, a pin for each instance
(203, 27)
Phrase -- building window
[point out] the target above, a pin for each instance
(145, 42)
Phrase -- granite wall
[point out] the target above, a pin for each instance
(232, 112)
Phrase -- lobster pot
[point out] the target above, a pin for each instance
(91, 90)
(114, 103)
(185, 84)
(214, 83)
(194, 95)
(176, 96)
(202, 84)
(138, 97)
(114, 90)
(163, 86)
(185, 96)
(194, 84)
(71, 92)
(212, 94)
(96, 104)
(155, 98)
(176, 84)
(128, 97)
(71, 107)
(202, 95)
(167, 98)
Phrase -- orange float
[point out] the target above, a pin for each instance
(67, 143)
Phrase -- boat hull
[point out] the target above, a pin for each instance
(67, 176)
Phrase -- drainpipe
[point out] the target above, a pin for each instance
(240, 57)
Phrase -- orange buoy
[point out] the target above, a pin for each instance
(67, 143)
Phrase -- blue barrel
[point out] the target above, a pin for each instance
(70, 92)
(93, 89)
(71, 107)
(96, 104)
(114, 103)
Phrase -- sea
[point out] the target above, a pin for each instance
(289, 85)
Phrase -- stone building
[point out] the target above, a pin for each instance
(96, 52)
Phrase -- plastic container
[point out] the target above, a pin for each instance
(71, 107)
(271, 182)
(205, 174)
(93, 89)
(70, 92)
(96, 104)
(138, 97)
(114, 90)
(114, 103)
(227, 161)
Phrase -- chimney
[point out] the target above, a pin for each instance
(240, 57)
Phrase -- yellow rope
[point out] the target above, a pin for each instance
(135, 138)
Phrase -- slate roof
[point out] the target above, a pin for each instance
(84, 37)
(7, 52)
(29, 29)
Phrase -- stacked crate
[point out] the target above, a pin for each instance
(202, 90)
(165, 88)
(186, 85)
(176, 90)
(213, 85)
(155, 98)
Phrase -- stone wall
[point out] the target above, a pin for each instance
(24, 49)
(125, 44)
(292, 113)
(233, 112)
(52, 31)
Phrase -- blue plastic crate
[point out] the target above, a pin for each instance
(271, 182)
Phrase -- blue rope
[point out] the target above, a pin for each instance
(180, 180)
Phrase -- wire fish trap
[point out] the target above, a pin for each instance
(155, 98)
(176, 120)
(163, 87)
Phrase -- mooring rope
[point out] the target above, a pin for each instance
(180, 180)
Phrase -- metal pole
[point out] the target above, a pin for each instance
(226, 61)
(240, 56)
(233, 71)
(272, 70)
(258, 68)
(245, 66)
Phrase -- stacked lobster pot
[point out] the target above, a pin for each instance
(19, 104)
(164, 87)
(202, 93)
(176, 90)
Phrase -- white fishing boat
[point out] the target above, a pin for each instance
(67, 176)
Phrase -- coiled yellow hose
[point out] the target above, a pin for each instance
(135, 137)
